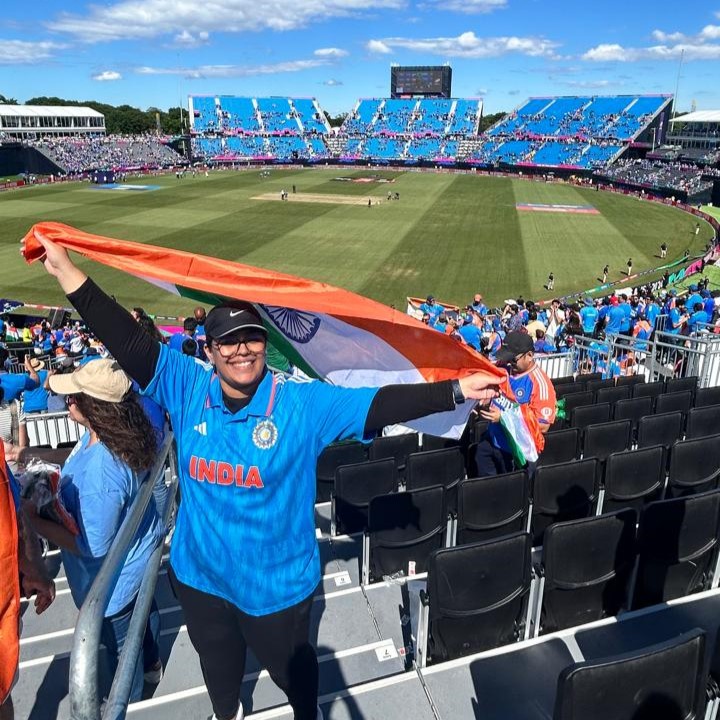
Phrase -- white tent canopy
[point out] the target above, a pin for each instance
(699, 116)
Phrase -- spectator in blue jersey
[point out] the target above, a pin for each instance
(37, 400)
(432, 309)
(177, 339)
(470, 331)
(478, 305)
(708, 304)
(651, 312)
(642, 332)
(627, 313)
(14, 384)
(542, 344)
(200, 317)
(677, 318)
(244, 560)
(589, 317)
(693, 298)
(698, 318)
(615, 317)
(100, 480)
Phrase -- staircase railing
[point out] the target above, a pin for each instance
(84, 676)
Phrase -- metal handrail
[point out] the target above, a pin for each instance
(84, 689)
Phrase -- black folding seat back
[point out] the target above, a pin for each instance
(355, 486)
(437, 467)
(581, 417)
(331, 458)
(594, 385)
(490, 507)
(663, 681)
(435, 442)
(630, 380)
(605, 438)
(560, 446)
(403, 529)
(662, 429)
(677, 546)
(673, 385)
(577, 399)
(680, 401)
(694, 466)
(565, 389)
(588, 377)
(479, 429)
(703, 422)
(634, 478)
(613, 394)
(707, 396)
(478, 596)
(397, 447)
(633, 409)
(649, 389)
(564, 380)
(562, 492)
(587, 567)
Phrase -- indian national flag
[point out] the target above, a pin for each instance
(327, 332)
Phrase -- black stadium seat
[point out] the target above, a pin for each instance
(581, 417)
(436, 467)
(673, 385)
(403, 529)
(677, 546)
(679, 401)
(355, 486)
(707, 396)
(634, 478)
(694, 466)
(662, 429)
(586, 569)
(492, 506)
(397, 447)
(651, 389)
(665, 681)
(703, 421)
(560, 446)
(613, 394)
(633, 409)
(477, 598)
(331, 458)
(604, 438)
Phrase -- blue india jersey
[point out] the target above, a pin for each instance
(246, 525)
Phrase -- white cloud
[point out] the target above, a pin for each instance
(468, 45)
(588, 84)
(128, 19)
(468, 7)
(188, 40)
(332, 83)
(107, 76)
(378, 47)
(21, 52)
(671, 46)
(330, 52)
(481, 91)
(227, 71)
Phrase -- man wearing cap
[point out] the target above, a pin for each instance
(36, 400)
(244, 560)
(432, 309)
(532, 388)
(615, 317)
(694, 297)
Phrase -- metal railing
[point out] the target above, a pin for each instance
(556, 365)
(84, 680)
(52, 429)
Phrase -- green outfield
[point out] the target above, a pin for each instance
(450, 235)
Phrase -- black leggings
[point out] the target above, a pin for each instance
(221, 633)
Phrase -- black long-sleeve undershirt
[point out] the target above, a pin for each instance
(138, 353)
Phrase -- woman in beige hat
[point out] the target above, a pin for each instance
(100, 480)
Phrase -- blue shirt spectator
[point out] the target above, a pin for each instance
(615, 316)
(471, 334)
(589, 316)
(627, 314)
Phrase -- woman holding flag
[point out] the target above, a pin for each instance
(244, 559)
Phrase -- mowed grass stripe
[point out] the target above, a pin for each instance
(574, 247)
(349, 244)
(466, 240)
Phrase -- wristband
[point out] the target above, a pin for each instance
(458, 395)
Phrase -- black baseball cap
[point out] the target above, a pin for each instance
(514, 345)
(232, 316)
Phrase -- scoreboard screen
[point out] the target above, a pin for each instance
(431, 81)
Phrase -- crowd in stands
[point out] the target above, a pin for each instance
(109, 152)
(553, 327)
(665, 176)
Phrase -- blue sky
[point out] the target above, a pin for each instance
(155, 52)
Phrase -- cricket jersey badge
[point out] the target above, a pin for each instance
(265, 434)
